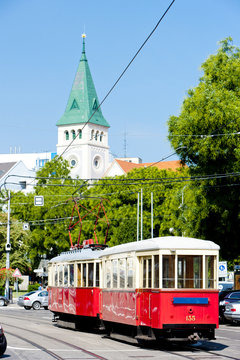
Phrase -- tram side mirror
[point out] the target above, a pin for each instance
(8, 247)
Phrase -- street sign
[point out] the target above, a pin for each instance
(222, 269)
(38, 200)
(25, 226)
(17, 273)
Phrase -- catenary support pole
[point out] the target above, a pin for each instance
(151, 214)
(8, 247)
(138, 217)
(141, 214)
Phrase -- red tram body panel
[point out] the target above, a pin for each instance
(75, 301)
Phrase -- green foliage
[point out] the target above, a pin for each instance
(20, 240)
(48, 223)
(118, 199)
(206, 137)
(33, 287)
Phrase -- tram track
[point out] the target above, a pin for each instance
(51, 353)
(40, 347)
(197, 352)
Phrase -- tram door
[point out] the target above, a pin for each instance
(145, 315)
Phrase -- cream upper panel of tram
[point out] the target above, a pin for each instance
(75, 255)
(170, 243)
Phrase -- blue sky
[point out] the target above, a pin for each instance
(41, 46)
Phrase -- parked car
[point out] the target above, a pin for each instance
(20, 301)
(225, 285)
(232, 312)
(3, 342)
(3, 301)
(36, 300)
(227, 297)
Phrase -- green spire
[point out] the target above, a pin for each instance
(83, 99)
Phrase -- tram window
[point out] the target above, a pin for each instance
(97, 275)
(90, 274)
(156, 271)
(79, 275)
(108, 274)
(168, 271)
(84, 270)
(149, 273)
(209, 265)
(122, 272)
(56, 276)
(60, 276)
(144, 273)
(71, 274)
(115, 273)
(130, 273)
(190, 271)
(65, 275)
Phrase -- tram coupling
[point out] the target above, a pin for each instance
(55, 318)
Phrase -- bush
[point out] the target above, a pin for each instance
(2, 291)
(33, 287)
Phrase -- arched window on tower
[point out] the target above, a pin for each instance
(73, 134)
(66, 135)
(80, 133)
(92, 134)
(96, 135)
(101, 137)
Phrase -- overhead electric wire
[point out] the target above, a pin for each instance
(205, 135)
(121, 75)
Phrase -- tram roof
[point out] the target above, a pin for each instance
(81, 254)
(166, 242)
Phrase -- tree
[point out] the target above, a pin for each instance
(206, 137)
(48, 223)
(20, 240)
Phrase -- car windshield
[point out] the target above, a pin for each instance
(222, 294)
(29, 293)
(235, 295)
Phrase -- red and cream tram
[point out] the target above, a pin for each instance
(151, 289)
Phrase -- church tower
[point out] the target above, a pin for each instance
(82, 130)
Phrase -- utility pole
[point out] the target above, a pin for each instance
(152, 215)
(138, 217)
(141, 214)
(8, 247)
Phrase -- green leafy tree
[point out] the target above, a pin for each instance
(48, 223)
(121, 209)
(20, 240)
(206, 137)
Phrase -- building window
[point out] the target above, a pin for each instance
(101, 136)
(23, 184)
(66, 135)
(95, 106)
(74, 105)
(80, 134)
(73, 134)
(92, 134)
(97, 162)
(96, 135)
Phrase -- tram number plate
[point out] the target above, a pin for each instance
(190, 318)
